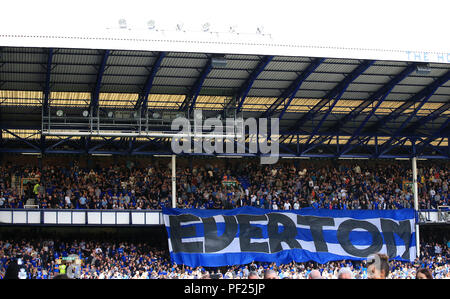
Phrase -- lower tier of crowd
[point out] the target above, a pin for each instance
(47, 259)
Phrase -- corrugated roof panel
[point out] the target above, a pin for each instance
(165, 101)
(179, 62)
(326, 77)
(21, 68)
(117, 99)
(384, 70)
(23, 77)
(443, 90)
(20, 98)
(370, 107)
(415, 80)
(226, 73)
(440, 98)
(74, 69)
(257, 103)
(363, 78)
(391, 63)
(274, 75)
(73, 99)
(223, 83)
(25, 134)
(336, 68)
(177, 72)
(186, 55)
(346, 106)
(70, 51)
(241, 64)
(302, 105)
(70, 87)
(355, 95)
(91, 59)
(176, 82)
(343, 61)
(170, 90)
(39, 56)
(312, 94)
(131, 60)
(264, 93)
(278, 85)
(126, 71)
(438, 72)
(407, 89)
(287, 66)
(364, 87)
(292, 59)
(124, 80)
(398, 97)
(211, 102)
(242, 57)
(318, 85)
(426, 108)
(74, 78)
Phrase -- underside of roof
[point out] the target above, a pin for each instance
(344, 103)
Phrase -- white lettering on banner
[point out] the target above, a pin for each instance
(261, 233)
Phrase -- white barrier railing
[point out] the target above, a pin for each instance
(80, 217)
(434, 216)
(134, 217)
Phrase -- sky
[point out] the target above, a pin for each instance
(385, 24)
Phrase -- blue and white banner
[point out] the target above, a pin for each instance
(213, 238)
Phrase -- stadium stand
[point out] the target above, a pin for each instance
(345, 125)
(323, 184)
(116, 257)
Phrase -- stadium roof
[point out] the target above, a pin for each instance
(326, 106)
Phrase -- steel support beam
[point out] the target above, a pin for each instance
(45, 102)
(142, 101)
(443, 128)
(191, 98)
(380, 95)
(24, 140)
(338, 91)
(424, 95)
(95, 94)
(292, 90)
(430, 89)
(428, 118)
(245, 88)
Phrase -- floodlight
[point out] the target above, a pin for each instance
(206, 27)
(59, 113)
(156, 115)
(219, 61)
(180, 26)
(85, 113)
(122, 24)
(423, 69)
(110, 114)
(151, 24)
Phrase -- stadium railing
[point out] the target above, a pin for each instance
(80, 217)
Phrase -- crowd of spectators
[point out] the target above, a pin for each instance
(331, 185)
(44, 259)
